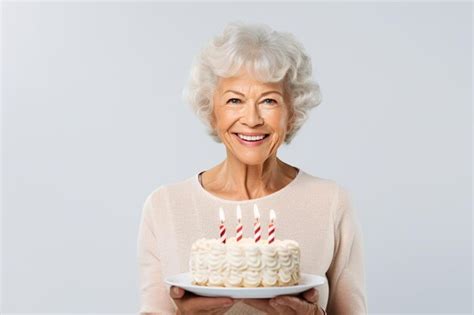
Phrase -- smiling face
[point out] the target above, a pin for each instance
(250, 117)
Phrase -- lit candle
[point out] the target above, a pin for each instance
(239, 224)
(271, 227)
(222, 226)
(256, 230)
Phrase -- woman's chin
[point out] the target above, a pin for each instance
(252, 158)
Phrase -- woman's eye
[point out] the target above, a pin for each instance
(233, 101)
(271, 101)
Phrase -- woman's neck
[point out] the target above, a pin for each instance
(235, 180)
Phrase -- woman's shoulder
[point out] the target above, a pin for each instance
(178, 187)
(313, 182)
(332, 192)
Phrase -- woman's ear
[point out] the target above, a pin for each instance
(291, 118)
(289, 106)
(212, 120)
(212, 116)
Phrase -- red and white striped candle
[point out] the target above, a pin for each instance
(271, 227)
(222, 226)
(239, 224)
(256, 230)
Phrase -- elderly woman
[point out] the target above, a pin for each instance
(252, 87)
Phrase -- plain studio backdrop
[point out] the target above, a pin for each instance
(93, 121)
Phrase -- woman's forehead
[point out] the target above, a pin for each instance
(245, 84)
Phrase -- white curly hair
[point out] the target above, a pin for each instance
(269, 55)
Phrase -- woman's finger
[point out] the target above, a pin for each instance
(298, 305)
(176, 293)
(312, 295)
(205, 303)
(260, 304)
(191, 303)
(281, 308)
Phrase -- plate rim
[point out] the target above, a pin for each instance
(321, 279)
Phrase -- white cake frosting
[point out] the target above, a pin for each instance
(245, 263)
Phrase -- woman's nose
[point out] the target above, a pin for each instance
(252, 115)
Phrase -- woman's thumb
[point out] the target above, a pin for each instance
(311, 295)
(176, 293)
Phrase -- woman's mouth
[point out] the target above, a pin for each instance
(251, 140)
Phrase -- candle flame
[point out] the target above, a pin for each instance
(239, 213)
(272, 215)
(256, 213)
(221, 214)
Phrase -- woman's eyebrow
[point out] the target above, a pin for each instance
(269, 92)
(233, 92)
(265, 93)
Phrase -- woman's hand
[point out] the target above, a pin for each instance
(189, 304)
(306, 304)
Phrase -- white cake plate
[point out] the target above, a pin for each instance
(307, 281)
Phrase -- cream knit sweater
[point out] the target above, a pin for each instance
(313, 211)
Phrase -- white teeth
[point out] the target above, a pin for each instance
(251, 138)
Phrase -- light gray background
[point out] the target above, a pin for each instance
(93, 121)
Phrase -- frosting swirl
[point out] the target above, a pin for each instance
(245, 263)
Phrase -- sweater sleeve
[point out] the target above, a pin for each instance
(154, 295)
(346, 275)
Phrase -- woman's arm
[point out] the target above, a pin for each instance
(154, 295)
(346, 275)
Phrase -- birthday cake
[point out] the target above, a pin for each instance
(245, 263)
